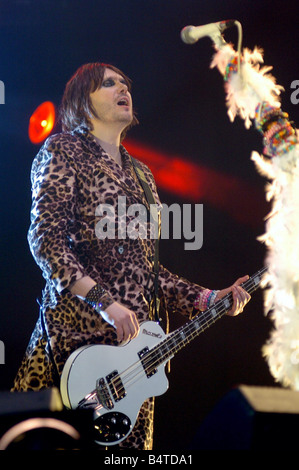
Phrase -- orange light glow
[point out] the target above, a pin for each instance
(41, 122)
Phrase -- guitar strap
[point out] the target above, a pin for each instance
(56, 375)
(155, 214)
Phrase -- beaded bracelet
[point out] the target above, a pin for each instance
(279, 135)
(205, 299)
(279, 138)
(273, 129)
(265, 114)
(212, 297)
(98, 298)
(281, 148)
(232, 67)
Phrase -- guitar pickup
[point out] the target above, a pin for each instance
(147, 365)
(116, 386)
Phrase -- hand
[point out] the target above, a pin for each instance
(124, 321)
(240, 296)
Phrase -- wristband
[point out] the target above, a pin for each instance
(205, 299)
(98, 298)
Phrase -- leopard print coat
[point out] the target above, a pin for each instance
(71, 176)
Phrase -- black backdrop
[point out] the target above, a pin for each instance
(181, 108)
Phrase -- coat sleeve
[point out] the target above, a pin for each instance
(179, 293)
(54, 196)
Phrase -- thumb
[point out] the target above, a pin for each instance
(241, 280)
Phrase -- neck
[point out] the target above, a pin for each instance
(109, 141)
(111, 149)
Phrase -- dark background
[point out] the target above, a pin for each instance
(183, 119)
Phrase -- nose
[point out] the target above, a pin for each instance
(123, 87)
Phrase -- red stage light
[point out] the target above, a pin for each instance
(174, 173)
(41, 122)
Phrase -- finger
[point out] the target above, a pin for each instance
(128, 330)
(241, 280)
(241, 292)
(233, 308)
(237, 301)
(244, 297)
(240, 298)
(237, 304)
(135, 326)
(120, 334)
(131, 330)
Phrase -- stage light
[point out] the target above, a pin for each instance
(41, 122)
(184, 178)
(18, 432)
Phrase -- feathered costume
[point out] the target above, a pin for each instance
(253, 95)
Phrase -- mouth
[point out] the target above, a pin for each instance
(124, 101)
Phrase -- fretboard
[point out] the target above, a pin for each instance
(203, 320)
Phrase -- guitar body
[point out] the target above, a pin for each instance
(116, 367)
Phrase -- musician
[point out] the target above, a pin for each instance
(97, 290)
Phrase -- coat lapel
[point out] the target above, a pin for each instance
(125, 175)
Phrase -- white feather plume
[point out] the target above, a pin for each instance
(244, 92)
(253, 85)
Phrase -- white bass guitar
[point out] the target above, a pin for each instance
(116, 380)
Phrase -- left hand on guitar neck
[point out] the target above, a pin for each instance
(240, 296)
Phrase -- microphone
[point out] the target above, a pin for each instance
(191, 34)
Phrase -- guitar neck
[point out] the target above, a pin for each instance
(203, 320)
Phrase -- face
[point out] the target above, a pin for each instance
(112, 101)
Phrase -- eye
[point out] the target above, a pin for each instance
(108, 82)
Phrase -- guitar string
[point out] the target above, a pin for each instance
(138, 368)
(200, 325)
(186, 339)
(203, 321)
(200, 322)
(122, 381)
(149, 365)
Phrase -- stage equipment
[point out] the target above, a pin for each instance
(37, 421)
(253, 95)
(41, 122)
(191, 34)
(251, 418)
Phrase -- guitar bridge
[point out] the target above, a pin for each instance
(109, 389)
(147, 366)
(103, 394)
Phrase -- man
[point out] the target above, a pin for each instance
(98, 290)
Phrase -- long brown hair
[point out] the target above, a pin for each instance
(76, 108)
